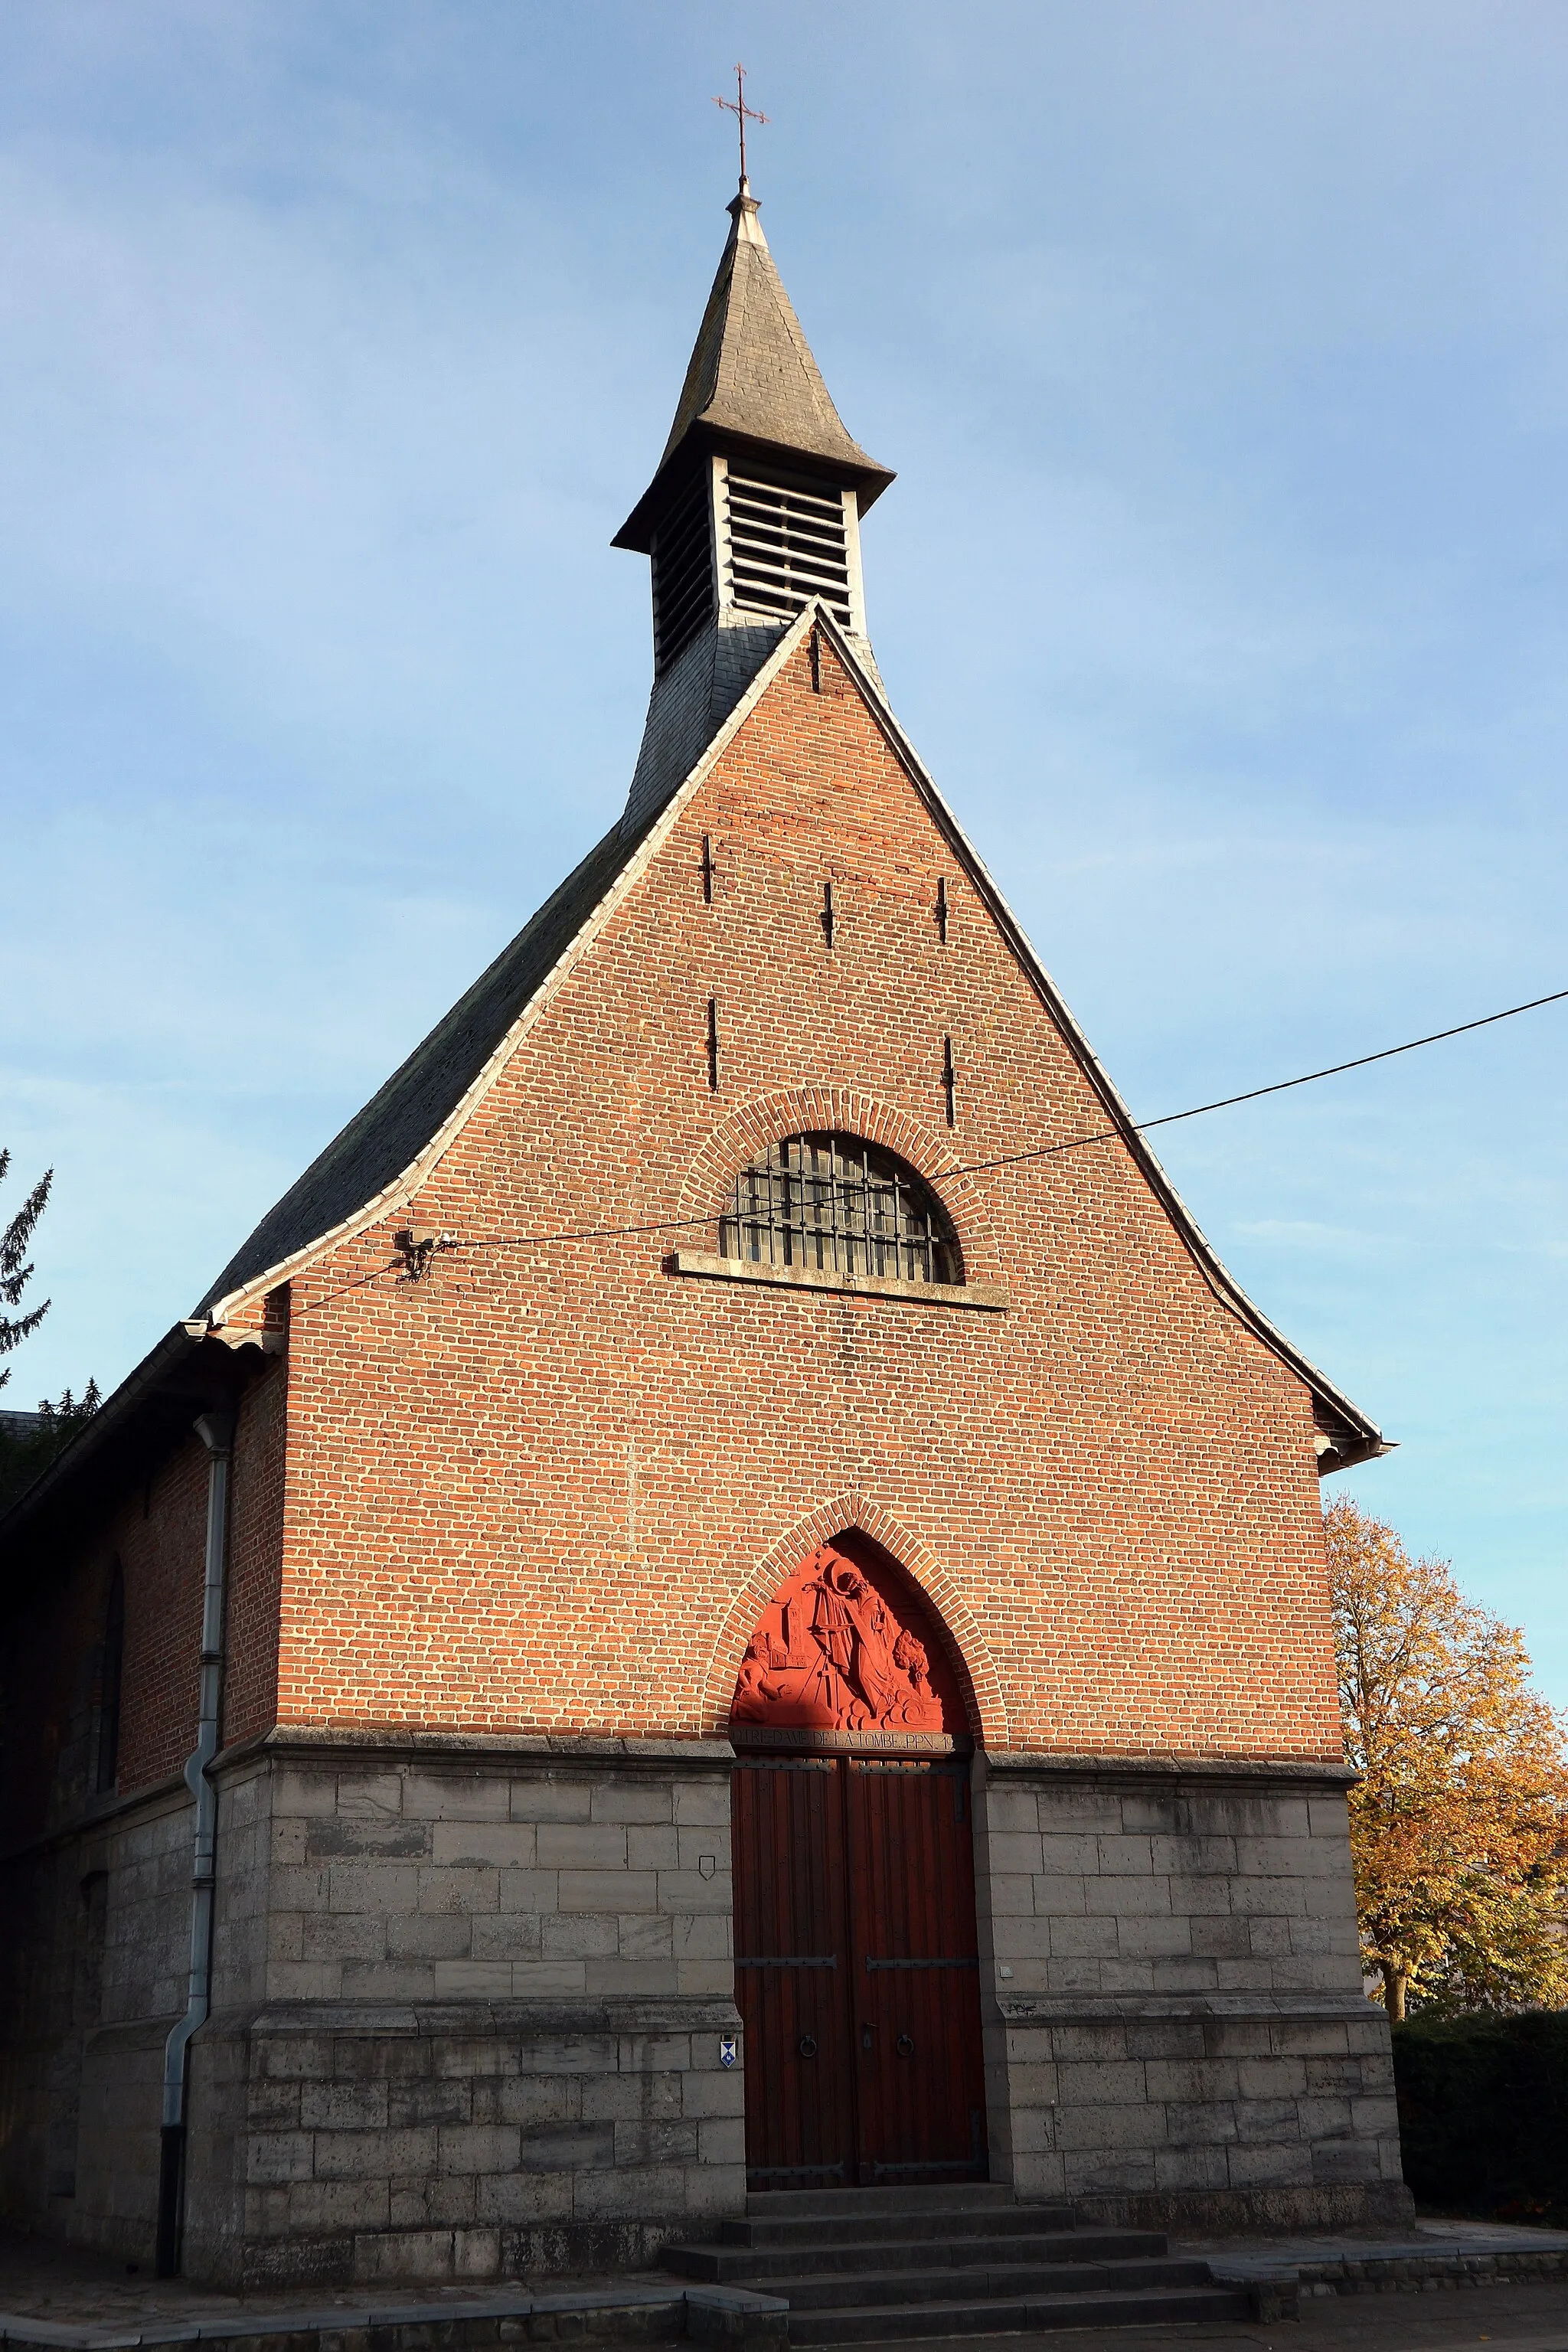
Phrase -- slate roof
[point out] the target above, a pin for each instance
(382, 1141)
(752, 378)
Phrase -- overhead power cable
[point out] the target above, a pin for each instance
(1052, 1150)
(1282, 1085)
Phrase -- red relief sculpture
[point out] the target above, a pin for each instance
(843, 1648)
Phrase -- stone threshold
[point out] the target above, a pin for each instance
(730, 2315)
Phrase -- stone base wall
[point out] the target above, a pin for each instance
(363, 2144)
(117, 2140)
(474, 1996)
(1181, 2028)
(471, 1998)
(94, 1961)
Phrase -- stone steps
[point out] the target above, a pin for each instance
(1009, 2283)
(955, 2197)
(882, 2265)
(739, 2265)
(896, 2324)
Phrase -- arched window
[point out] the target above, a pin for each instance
(837, 1204)
(108, 1762)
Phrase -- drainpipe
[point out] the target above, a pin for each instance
(216, 1431)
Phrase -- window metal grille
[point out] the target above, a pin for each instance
(683, 594)
(787, 543)
(833, 1203)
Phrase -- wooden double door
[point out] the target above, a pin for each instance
(856, 1970)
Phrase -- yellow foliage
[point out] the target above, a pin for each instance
(1459, 1827)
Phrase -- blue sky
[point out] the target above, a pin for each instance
(1221, 350)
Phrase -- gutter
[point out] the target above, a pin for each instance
(216, 1431)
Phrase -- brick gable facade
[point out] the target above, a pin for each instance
(1117, 1480)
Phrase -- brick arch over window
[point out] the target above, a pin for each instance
(845, 1110)
(965, 1646)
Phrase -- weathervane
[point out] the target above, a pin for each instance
(743, 113)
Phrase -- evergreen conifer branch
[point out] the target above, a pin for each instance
(17, 1267)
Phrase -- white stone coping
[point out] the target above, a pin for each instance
(1045, 1765)
(523, 1754)
(988, 1297)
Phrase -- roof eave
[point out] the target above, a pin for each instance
(189, 1371)
(1334, 1456)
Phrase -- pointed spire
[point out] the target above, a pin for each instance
(753, 381)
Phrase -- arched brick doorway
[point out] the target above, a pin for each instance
(857, 1966)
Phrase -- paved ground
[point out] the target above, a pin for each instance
(75, 2284)
(1525, 2318)
(63, 2285)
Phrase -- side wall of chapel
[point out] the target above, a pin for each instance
(95, 1880)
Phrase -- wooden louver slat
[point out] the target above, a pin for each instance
(786, 545)
(683, 587)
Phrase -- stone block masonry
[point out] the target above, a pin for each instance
(93, 1960)
(1183, 2039)
(482, 2004)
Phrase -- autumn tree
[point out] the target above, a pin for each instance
(1459, 1825)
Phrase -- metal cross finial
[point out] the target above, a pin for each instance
(743, 113)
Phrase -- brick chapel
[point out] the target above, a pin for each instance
(725, 1597)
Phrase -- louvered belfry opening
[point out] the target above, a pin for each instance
(683, 582)
(788, 541)
(834, 1203)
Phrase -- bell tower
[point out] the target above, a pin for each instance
(754, 510)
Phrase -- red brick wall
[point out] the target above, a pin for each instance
(256, 1557)
(49, 1693)
(162, 1556)
(52, 1647)
(554, 1486)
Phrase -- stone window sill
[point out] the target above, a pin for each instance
(986, 1296)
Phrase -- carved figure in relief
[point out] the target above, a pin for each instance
(840, 1660)
(910, 1657)
(757, 1689)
